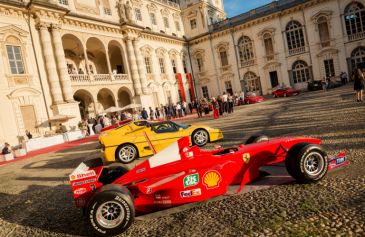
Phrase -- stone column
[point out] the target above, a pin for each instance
(87, 68)
(51, 68)
(168, 67)
(61, 64)
(108, 62)
(133, 67)
(140, 65)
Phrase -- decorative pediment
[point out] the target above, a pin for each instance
(173, 53)
(204, 80)
(199, 52)
(152, 7)
(160, 52)
(324, 13)
(176, 16)
(269, 30)
(136, 3)
(165, 12)
(192, 14)
(327, 51)
(12, 33)
(224, 45)
(147, 50)
(271, 65)
(23, 92)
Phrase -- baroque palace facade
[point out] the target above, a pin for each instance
(79, 57)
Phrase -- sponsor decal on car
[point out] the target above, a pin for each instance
(158, 196)
(163, 202)
(246, 157)
(191, 180)
(141, 170)
(80, 191)
(84, 182)
(149, 190)
(191, 193)
(83, 175)
(211, 179)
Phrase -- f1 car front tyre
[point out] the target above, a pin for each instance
(256, 138)
(126, 153)
(306, 162)
(111, 212)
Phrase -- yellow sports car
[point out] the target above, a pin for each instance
(126, 143)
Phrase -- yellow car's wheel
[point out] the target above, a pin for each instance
(200, 137)
(126, 153)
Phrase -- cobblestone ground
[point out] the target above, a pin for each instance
(35, 199)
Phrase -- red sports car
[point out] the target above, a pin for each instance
(120, 123)
(284, 92)
(180, 174)
(252, 98)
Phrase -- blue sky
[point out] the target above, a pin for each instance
(236, 7)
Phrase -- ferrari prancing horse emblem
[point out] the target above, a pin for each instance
(246, 157)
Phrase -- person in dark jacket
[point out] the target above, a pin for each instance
(144, 114)
(359, 81)
(6, 149)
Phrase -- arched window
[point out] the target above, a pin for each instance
(354, 18)
(245, 49)
(357, 56)
(223, 56)
(294, 35)
(300, 72)
(269, 47)
(199, 62)
(324, 34)
(250, 83)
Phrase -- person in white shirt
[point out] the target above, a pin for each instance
(225, 102)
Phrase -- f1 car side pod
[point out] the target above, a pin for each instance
(179, 174)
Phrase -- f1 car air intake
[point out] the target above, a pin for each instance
(180, 174)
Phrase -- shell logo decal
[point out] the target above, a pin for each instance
(211, 179)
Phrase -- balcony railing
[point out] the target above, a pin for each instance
(169, 3)
(297, 51)
(248, 63)
(86, 79)
(356, 36)
(226, 68)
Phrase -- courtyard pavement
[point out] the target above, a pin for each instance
(36, 199)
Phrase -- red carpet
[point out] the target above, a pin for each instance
(54, 148)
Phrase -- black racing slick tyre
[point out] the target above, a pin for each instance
(111, 212)
(306, 162)
(256, 138)
(126, 153)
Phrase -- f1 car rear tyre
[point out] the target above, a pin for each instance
(307, 163)
(200, 137)
(126, 153)
(256, 138)
(111, 212)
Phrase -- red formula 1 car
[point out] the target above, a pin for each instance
(180, 174)
(252, 98)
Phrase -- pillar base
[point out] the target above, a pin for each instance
(70, 109)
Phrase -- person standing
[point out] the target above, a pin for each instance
(144, 114)
(151, 113)
(225, 102)
(230, 103)
(215, 105)
(359, 81)
(157, 113)
(179, 109)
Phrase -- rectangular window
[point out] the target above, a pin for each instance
(199, 61)
(107, 11)
(184, 65)
(193, 23)
(147, 62)
(173, 66)
(166, 22)
(15, 59)
(138, 14)
(205, 91)
(162, 65)
(63, 2)
(153, 18)
(177, 25)
(228, 86)
(224, 58)
(329, 67)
